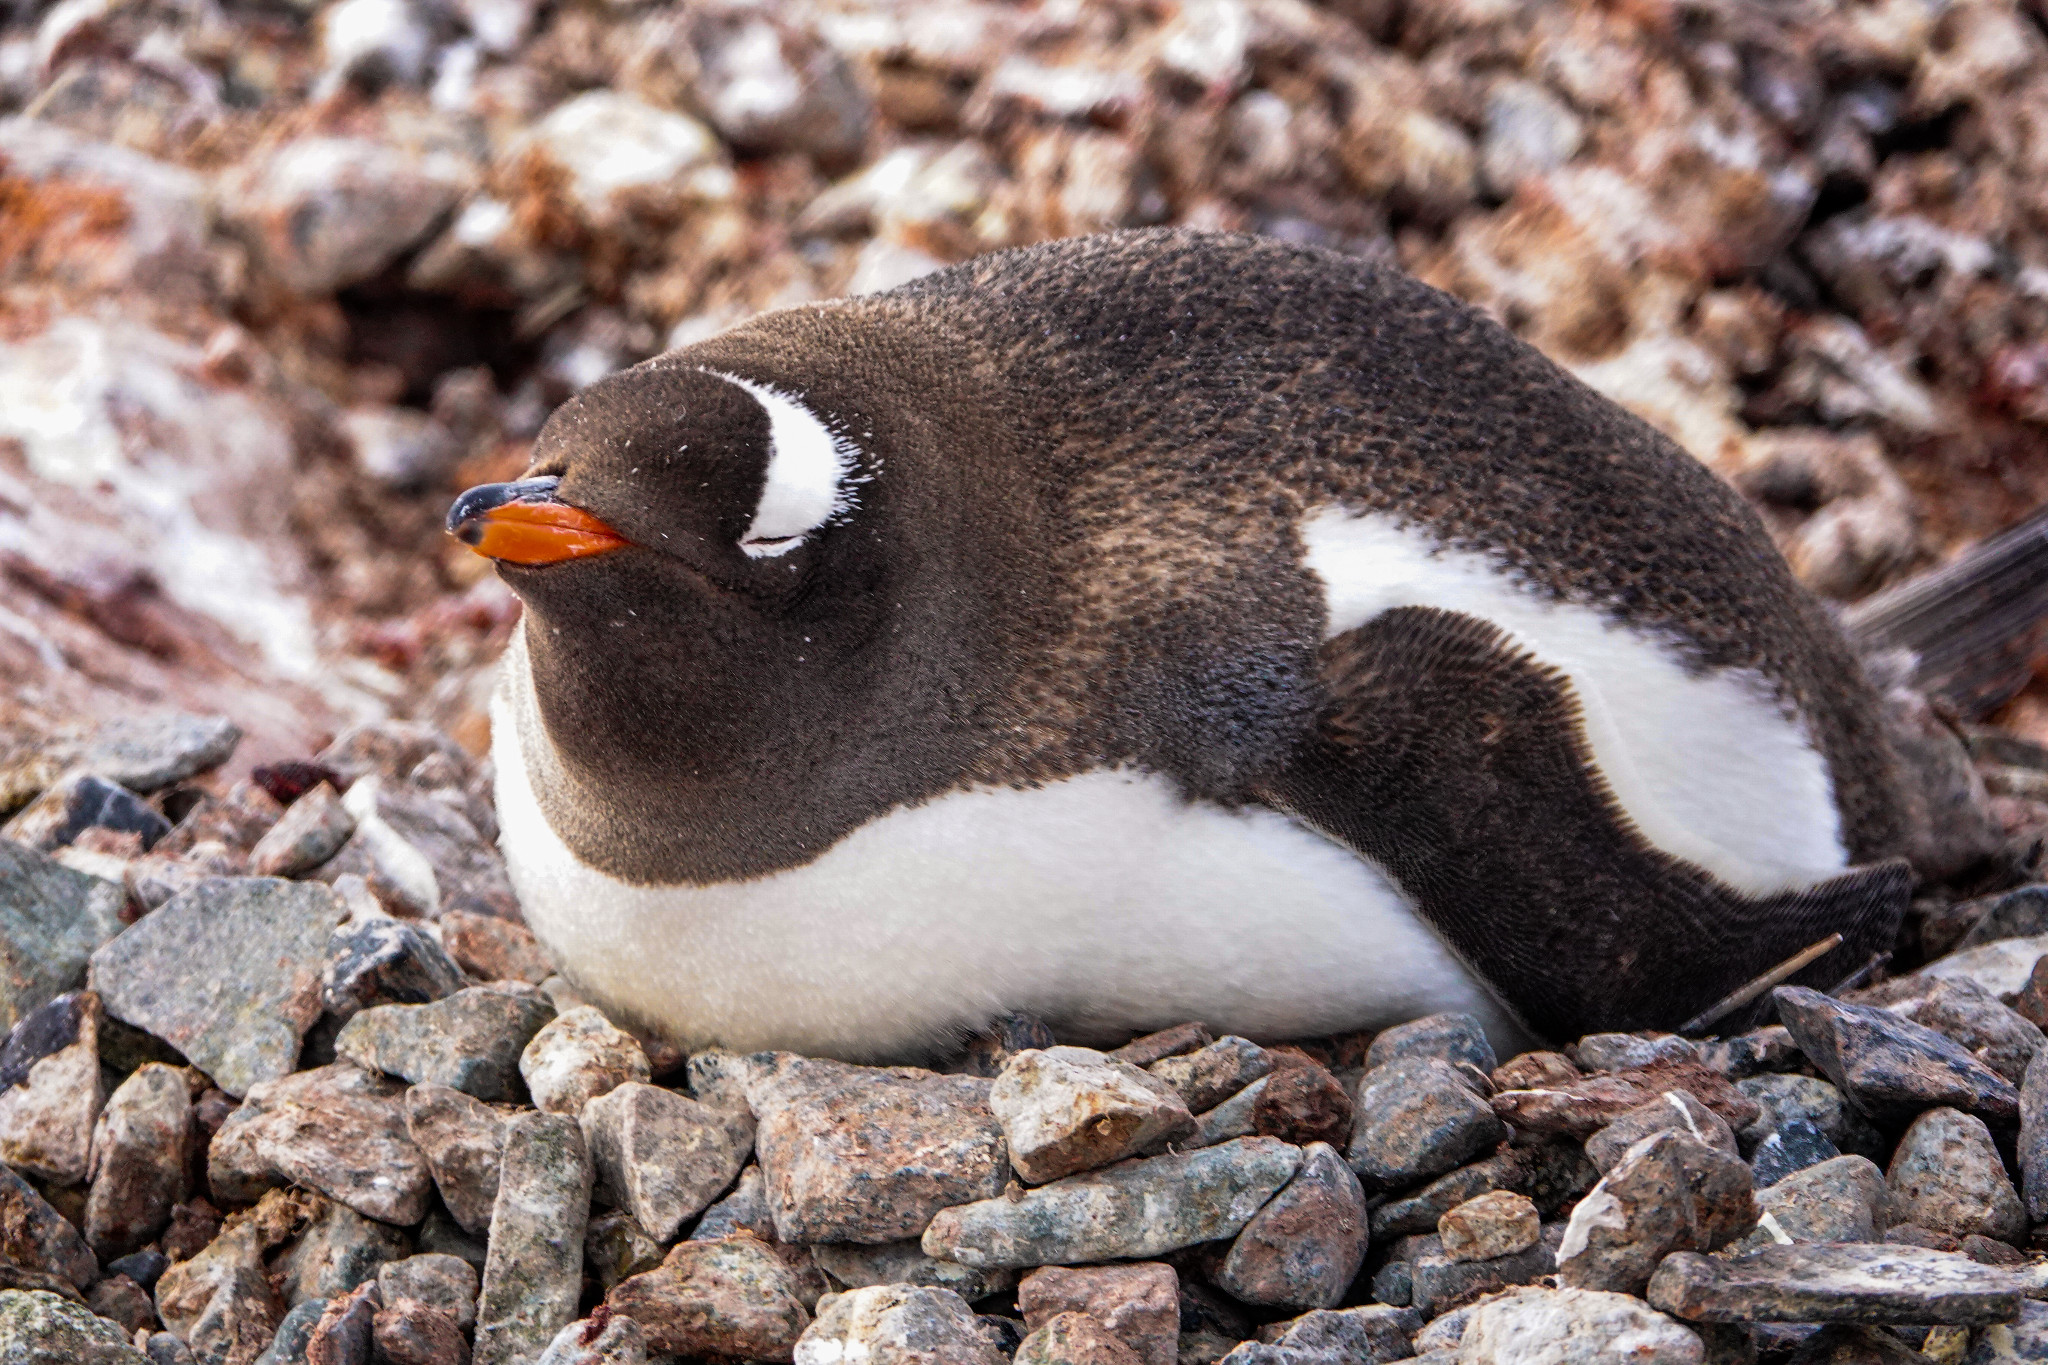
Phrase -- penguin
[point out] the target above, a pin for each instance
(1160, 626)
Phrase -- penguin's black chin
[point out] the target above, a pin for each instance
(525, 523)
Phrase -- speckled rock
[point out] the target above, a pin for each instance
(462, 1139)
(895, 1325)
(1844, 1282)
(1302, 1104)
(661, 1156)
(1303, 1249)
(869, 1154)
(1331, 1336)
(1497, 1224)
(1674, 1111)
(1580, 1108)
(51, 920)
(1841, 1200)
(228, 1275)
(294, 1330)
(34, 1235)
(338, 1251)
(1211, 1074)
(471, 1041)
(346, 1332)
(1971, 1016)
(577, 1057)
(1449, 1038)
(1947, 1175)
(242, 1021)
(1068, 1109)
(1668, 1193)
(2023, 1341)
(413, 1333)
(384, 961)
(336, 1129)
(1551, 1173)
(1139, 1305)
(1134, 1210)
(535, 1271)
(1073, 1339)
(612, 1340)
(139, 1159)
(1573, 1327)
(851, 1266)
(734, 1297)
(615, 1248)
(2032, 1146)
(38, 1328)
(493, 949)
(746, 1209)
(311, 830)
(1439, 1284)
(150, 751)
(1418, 1117)
(1890, 1067)
(47, 1114)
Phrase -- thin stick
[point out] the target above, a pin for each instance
(1728, 1004)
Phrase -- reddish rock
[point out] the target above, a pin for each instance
(1139, 1304)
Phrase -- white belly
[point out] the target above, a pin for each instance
(1104, 904)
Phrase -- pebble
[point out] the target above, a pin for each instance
(1568, 1326)
(473, 1040)
(1138, 1305)
(430, 841)
(894, 1324)
(1451, 1038)
(81, 801)
(1073, 1339)
(1418, 1117)
(1303, 1249)
(1947, 1175)
(2032, 1145)
(47, 1114)
(1167, 1042)
(661, 1156)
(493, 949)
(462, 1139)
(121, 1300)
(311, 830)
(615, 1249)
(51, 920)
(1755, 1053)
(34, 1235)
(339, 1250)
(263, 942)
(346, 1332)
(1839, 1200)
(745, 1209)
(414, 1333)
(1673, 1111)
(324, 213)
(146, 753)
(1068, 1109)
(223, 1291)
(1629, 1051)
(1552, 1174)
(1792, 1147)
(1668, 1193)
(1211, 1074)
(2023, 1341)
(610, 1340)
(1303, 1104)
(1581, 1108)
(734, 1297)
(1807, 1100)
(1135, 1210)
(1234, 1118)
(138, 1160)
(856, 1267)
(294, 1330)
(578, 1056)
(40, 1328)
(534, 1274)
(385, 961)
(1439, 1284)
(1857, 1282)
(1889, 1067)
(1967, 1013)
(1497, 1224)
(870, 1154)
(1535, 1071)
(1347, 1336)
(1528, 131)
(618, 158)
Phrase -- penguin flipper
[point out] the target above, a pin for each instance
(1459, 764)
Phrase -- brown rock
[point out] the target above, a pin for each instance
(494, 949)
(1497, 1224)
(1552, 1174)
(1170, 1042)
(311, 830)
(1209, 1075)
(119, 1299)
(1301, 1105)
(1303, 1249)
(46, 1119)
(346, 1332)
(661, 1156)
(1418, 1117)
(733, 1297)
(139, 1159)
(337, 1130)
(462, 1139)
(1583, 1107)
(1074, 1339)
(1668, 1193)
(1674, 1110)
(411, 1333)
(1139, 1304)
(1068, 1109)
(1947, 1175)
(1535, 1071)
(187, 1291)
(34, 1235)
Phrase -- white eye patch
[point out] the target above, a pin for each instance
(810, 477)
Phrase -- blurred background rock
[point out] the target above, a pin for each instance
(276, 279)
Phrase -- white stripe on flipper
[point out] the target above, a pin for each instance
(810, 473)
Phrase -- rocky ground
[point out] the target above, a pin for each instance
(286, 1078)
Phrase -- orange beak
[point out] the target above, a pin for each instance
(524, 523)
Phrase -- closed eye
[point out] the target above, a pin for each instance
(769, 547)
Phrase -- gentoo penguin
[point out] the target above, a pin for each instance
(1160, 626)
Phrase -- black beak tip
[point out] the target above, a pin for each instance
(465, 511)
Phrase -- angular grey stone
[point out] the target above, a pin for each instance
(661, 1156)
(239, 1322)
(1947, 1175)
(1552, 1174)
(288, 1344)
(423, 832)
(1303, 1249)
(614, 1341)
(40, 1328)
(1449, 1038)
(1762, 1050)
(241, 1018)
(139, 1160)
(462, 1139)
(1675, 1111)
(1598, 1052)
(81, 801)
(336, 1129)
(470, 1041)
(2033, 1139)
(535, 1272)
(616, 1249)
(1964, 1011)
(1347, 1336)
(746, 1209)
(577, 1057)
(385, 962)
(1417, 1118)
(1668, 1193)
(47, 1117)
(1135, 1210)
(2023, 1341)
(857, 1267)
(1792, 1146)
(1574, 1327)
(338, 1251)
(1890, 1067)
(311, 830)
(34, 1235)
(1068, 1109)
(869, 1154)
(227, 1282)
(147, 752)
(346, 1332)
(1859, 1282)
(1234, 1118)
(51, 920)
(448, 1283)
(1167, 1042)
(1841, 1200)
(1811, 1100)
(1440, 1284)
(895, 1324)
(1210, 1075)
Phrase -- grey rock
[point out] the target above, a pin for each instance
(771, 86)
(1167, 1042)
(51, 920)
(471, 1041)
(426, 832)
(239, 1322)
(147, 752)
(1528, 131)
(335, 1129)
(535, 1272)
(40, 1328)
(164, 1348)
(1347, 1336)
(1134, 1210)
(311, 830)
(81, 801)
(401, 449)
(1668, 1193)
(731, 1298)
(139, 1160)
(346, 1332)
(1236, 1117)
(1417, 1118)
(288, 1343)
(441, 1235)
(1139, 1305)
(1303, 1249)
(2023, 1341)
(1793, 1146)
(2019, 913)
(1497, 1224)
(1673, 1111)
(447, 1283)
(47, 1116)
(870, 1154)
(1947, 1175)
(1449, 1038)
(1754, 1053)
(1890, 1067)
(746, 1209)
(34, 1235)
(338, 1251)
(895, 1325)
(1440, 1284)
(224, 1287)
(616, 1248)
(577, 1057)
(857, 1267)
(115, 1297)
(1574, 1327)
(1068, 1109)
(1810, 1100)
(1598, 1052)
(1840, 1200)
(1855, 1282)
(1212, 1074)
(240, 1021)
(462, 1139)
(324, 213)
(661, 1156)
(1552, 1174)
(1972, 1016)
(2033, 1140)
(614, 1341)
(385, 962)
(1073, 1339)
